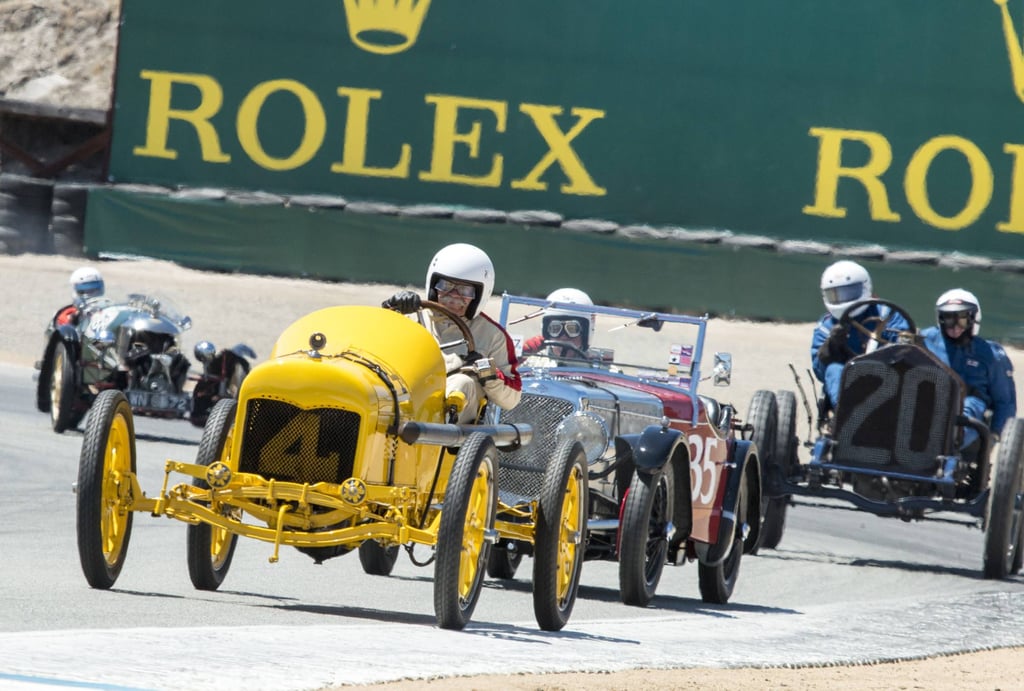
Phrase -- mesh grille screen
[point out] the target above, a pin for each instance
(283, 442)
(521, 472)
(895, 410)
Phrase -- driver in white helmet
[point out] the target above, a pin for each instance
(461, 278)
(565, 333)
(983, 365)
(86, 284)
(843, 284)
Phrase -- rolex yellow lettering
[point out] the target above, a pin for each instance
(160, 114)
(560, 150)
(447, 136)
(830, 170)
(916, 188)
(357, 128)
(312, 134)
(1013, 48)
(1015, 224)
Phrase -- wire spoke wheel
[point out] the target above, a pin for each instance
(211, 548)
(464, 535)
(559, 534)
(106, 469)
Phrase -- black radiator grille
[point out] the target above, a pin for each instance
(284, 442)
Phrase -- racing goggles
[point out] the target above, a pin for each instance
(950, 319)
(554, 328)
(462, 290)
(840, 294)
(89, 289)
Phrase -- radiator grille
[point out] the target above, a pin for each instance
(521, 473)
(284, 442)
(897, 409)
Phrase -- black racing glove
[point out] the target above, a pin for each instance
(835, 349)
(404, 301)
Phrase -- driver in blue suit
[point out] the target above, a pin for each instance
(983, 365)
(833, 345)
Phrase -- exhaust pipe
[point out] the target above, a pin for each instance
(507, 436)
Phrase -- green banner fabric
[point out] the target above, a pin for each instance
(686, 277)
(860, 121)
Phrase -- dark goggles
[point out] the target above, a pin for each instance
(962, 319)
(463, 290)
(555, 327)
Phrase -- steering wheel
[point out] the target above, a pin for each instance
(566, 345)
(459, 321)
(874, 327)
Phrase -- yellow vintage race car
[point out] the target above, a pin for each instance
(342, 440)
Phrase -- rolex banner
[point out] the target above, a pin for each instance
(860, 121)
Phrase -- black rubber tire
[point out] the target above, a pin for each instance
(763, 415)
(560, 536)
(467, 517)
(63, 390)
(1018, 557)
(43, 383)
(787, 445)
(503, 562)
(376, 559)
(210, 549)
(1004, 515)
(105, 471)
(718, 582)
(643, 536)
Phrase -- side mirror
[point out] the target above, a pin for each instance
(651, 323)
(722, 372)
(186, 323)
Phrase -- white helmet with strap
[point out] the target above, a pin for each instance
(466, 264)
(960, 300)
(843, 284)
(86, 282)
(572, 296)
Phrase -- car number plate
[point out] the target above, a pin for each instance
(155, 400)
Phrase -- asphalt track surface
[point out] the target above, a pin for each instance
(844, 587)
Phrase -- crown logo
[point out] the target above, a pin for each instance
(1014, 48)
(385, 27)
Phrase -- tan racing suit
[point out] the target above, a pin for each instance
(491, 341)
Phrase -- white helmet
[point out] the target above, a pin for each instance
(843, 284)
(86, 282)
(960, 300)
(465, 263)
(571, 295)
(585, 323)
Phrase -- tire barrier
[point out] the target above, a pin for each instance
(46, 217)
(691, 269)
(25, 214)
(67, 217)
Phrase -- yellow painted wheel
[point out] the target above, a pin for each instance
(570, 531)
(105, 471)
(559, 538)
(478, 520)
(210, 548)
(465, 533)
